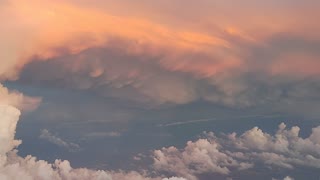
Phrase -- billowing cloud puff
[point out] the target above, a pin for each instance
(17, 99)
(10, 117)
(230, 154)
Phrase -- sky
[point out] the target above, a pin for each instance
(159, 90)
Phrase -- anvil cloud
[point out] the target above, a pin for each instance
(157, 59)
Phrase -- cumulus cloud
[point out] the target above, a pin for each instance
(17, 99)
(14, 167)
(232, 153)
(10, 117)
(46, 135)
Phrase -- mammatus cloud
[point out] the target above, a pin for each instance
(46, 135)
(234, 63)
(232, 153)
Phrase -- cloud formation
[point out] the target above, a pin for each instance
(157, 59)
(103, 134)
(218, 155)
(143, 59)
(17, 99)
(14, 167)
(232, 153)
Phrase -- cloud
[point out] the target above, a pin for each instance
(86, 31)
(231, 153)
(285, 178)
(17, 99)
(288, 178)
(142, 78)
(10, 117)
(103, 134)
(234, 63)
(46, 135)
(187, 122)
(13, 166)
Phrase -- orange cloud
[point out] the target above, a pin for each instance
(52, 26)
(296, 65)
(222, 42)
(57, 23)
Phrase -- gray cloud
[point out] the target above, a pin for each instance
(154, 79)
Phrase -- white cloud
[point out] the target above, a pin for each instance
(9, 119)
(17, 99)
(202, 156)
(288, 178)
(232, 153)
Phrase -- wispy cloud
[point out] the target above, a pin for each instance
(48, 136)
(216, 119)
(103, 134)
(186, 122)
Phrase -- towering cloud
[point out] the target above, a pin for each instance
(10, 117)
(17, 99)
